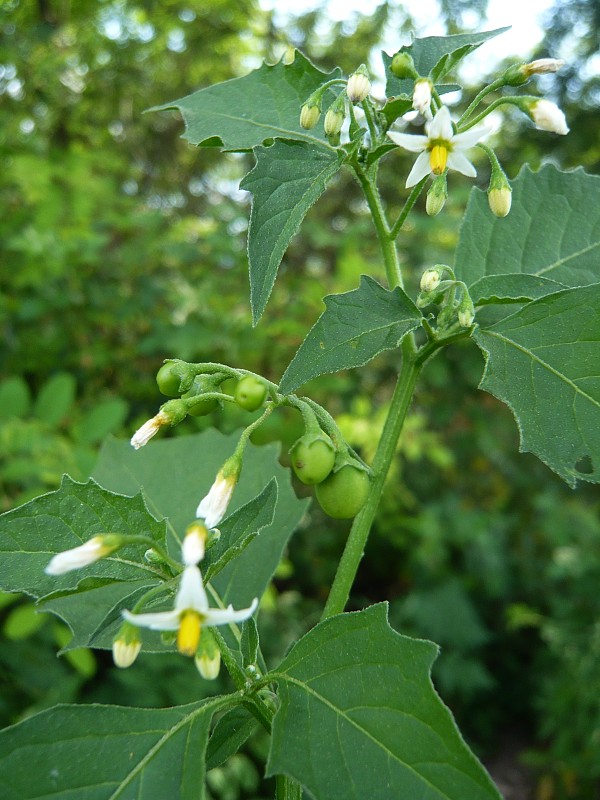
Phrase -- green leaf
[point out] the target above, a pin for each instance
(544, 362)
(352, 330)
(106, 417)
(101, 752)
(435, 56)
(229, 734)
(552, 231)
(176, 473)
(515, 288)
(245, 112)
(15, 398)
(31, 534)
(359, 717)
(287, 180)
(55, 399)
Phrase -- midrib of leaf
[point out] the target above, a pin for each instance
(544, 364)
(215, 705)
(564, 260)
(286, 133)
(281, 676)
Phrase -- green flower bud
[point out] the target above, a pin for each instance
(466, 311)
(436, 196)
(430, 280)
(403, 65)
(309, 115)
(208, 656)
(126, 646)
(333, 122)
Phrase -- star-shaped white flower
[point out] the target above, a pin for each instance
(441, 147)
(190, 613)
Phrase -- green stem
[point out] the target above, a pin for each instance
(411, 200)
(497, 84)
(366, 107)
(499, 102)
(287, 788)
(382, 228)
(353, 552)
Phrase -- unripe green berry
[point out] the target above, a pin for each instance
(250, 393)
(168, 382)
(313, 457)
(344, 493)
(403, 66)
(204, 406)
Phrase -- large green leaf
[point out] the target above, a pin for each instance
(244, 112)
(108, 752)
(287, 180)
(518, 288)
(544, 362)
(435, 55)
(175, 474)
(552, 232)
(31, 534)
(359, 717)
(352, 330)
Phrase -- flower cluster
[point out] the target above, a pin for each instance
(191, 613)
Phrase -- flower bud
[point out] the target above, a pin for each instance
(547, 116)
(334, 118)
(208, 656)
(466, 312)
(194, 544)
(500, 201)
(436, 196)
(403, 66)
(213, 506)
(542, 66)
(422, 97)
(126, 646)
(149, 429)
(359, 85)
(309, 115)
(430, 280)
(96, 548)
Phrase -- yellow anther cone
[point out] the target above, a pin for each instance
(188, 634)
(437, 158)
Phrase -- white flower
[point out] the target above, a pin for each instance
(194, 544)
(212, 508)
(548, 117)
(190, 613)
(441, 147)
(150, 428)
(77, 557)
(422, 97)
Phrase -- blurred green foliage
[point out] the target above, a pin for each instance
(121, 246)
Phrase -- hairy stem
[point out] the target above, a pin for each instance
(411, 200)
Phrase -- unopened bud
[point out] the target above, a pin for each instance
(91, 551)
(403, 66)
(436, 196)
(547, 116)
(334, 119)
(500, 201)
(309, 116)
(359, 85)
(421, 99)
(542, 66)
(126, 646)
(466, 312)
(430, 280)
(208, 656)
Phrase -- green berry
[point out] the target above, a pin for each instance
(250, 393)
(204, 405)
(313, 458)
(344, 493)
(168, 382)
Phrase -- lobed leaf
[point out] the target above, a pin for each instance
(544, 363)
(108, 752)
(265, 104)
(289, 177)
(358, 711)
(354, 328)
(552, 232)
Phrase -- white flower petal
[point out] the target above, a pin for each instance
(414, 143)
(193, 547)
(77, 557)
(461, 164)
(212, 508)
(149, 429)
(440, 126)
(420, 169)
(219, 616)
(159, 621)
(467, 139)
(191, 594)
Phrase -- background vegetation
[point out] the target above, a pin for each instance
(121, 245)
